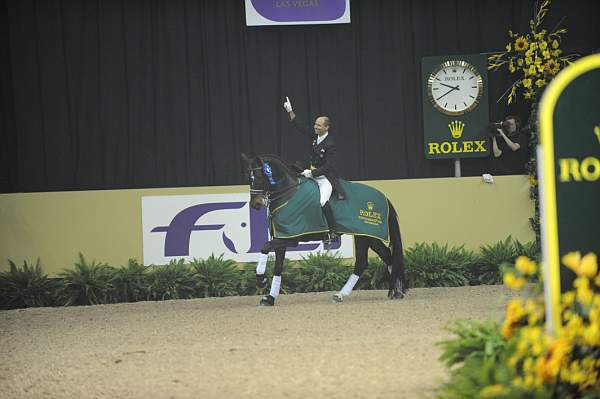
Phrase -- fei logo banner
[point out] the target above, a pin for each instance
(197, 226)
(297, 12)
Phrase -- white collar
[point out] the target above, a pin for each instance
(321, 138)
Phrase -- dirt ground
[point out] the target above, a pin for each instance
(305, 347)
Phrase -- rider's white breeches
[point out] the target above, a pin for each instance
(325, 189)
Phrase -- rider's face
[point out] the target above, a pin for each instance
(320, 126)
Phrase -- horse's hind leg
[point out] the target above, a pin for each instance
(361, 248)
(396, 290)
(383, 252)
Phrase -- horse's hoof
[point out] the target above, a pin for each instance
(395, 294)
(261, 281)
(267, 300)
(337, 298)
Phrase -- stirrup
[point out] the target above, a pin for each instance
(332, 236)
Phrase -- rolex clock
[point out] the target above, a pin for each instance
(455, 87)
(455, 107)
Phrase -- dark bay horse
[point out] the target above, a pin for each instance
(272, 183)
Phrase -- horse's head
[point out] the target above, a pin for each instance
(268, 175)
(259, 185)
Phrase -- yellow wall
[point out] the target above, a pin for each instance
(106, 225)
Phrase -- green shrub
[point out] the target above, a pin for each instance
(216, 276)
(173, 281)
(26, 286)
(476, 372)
(86, 284)
(374, 277)
(427, 265)
(292, 278)
(474, 339)
(322, 272)
(487, 268)
(247, 282)
(130, 282)
(480, 348)
(432, 265)
(529, 249)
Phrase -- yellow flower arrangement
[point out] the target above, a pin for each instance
(525, 265)
(535, 57)
(515, 314)
(568, 362)
(516, 283)
(521, 359)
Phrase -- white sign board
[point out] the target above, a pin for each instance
(197, 226)
(297, 12)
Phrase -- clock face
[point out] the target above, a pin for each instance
(455, 87)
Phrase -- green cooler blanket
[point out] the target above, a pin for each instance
(363, 212)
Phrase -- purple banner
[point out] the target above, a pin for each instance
(276, 12)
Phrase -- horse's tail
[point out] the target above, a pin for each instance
(398, 284)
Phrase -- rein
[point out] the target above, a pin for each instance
(275, 195)
(270, 196)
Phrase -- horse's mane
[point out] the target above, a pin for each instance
(290, 168)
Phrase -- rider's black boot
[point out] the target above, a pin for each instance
(333, 234)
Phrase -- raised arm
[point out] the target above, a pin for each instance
(300, 128)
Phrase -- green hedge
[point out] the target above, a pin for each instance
(427, 265)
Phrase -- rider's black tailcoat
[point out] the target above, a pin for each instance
(321, 156)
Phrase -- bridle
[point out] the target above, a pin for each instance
(254, 191)
(268, 195)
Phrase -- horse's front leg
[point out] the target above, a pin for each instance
(269, 300)
(261, 268)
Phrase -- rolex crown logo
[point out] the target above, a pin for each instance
(370, 205)
(456, 128)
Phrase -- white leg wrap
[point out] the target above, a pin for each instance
(275, 284)
(349, 286)
(261, 266)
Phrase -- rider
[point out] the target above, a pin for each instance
(321, 170)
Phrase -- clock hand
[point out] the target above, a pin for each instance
(453, 87)
(446, 93)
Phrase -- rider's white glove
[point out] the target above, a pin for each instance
(287, 105)
(307, 173)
